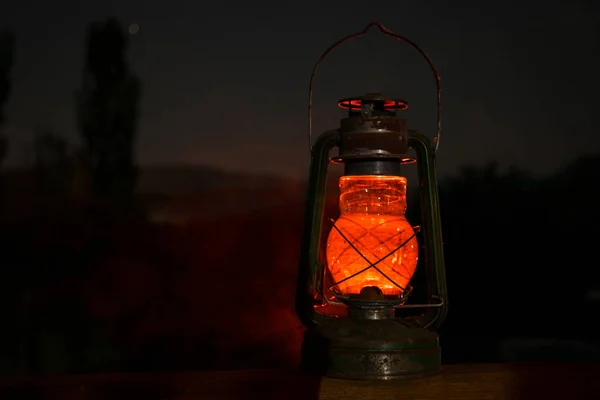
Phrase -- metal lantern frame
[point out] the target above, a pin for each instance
(347, 347)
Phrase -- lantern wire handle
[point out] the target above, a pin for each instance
(387, 32)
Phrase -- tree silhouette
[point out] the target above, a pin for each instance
(107, 110)
(519, 252)
(6, 61)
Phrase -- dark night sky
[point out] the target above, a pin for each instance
(226, 82)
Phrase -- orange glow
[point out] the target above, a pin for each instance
(372, 219)
(356, 104)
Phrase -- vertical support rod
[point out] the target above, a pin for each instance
(432, 229)
(310, 273)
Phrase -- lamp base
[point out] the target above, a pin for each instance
(373, 349)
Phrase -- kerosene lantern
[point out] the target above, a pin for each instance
(354, 281)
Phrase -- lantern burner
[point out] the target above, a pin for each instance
(371, 105)
(371, 303)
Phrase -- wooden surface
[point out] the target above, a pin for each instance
(481, 382)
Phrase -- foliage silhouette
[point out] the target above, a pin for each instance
(518, 252)
(107, 110)
(88, 288)
(6, 60)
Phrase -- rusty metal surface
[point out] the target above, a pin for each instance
(385, 365)
(382, 349)
(382, 136)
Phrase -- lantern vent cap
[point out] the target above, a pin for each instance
(379, 102)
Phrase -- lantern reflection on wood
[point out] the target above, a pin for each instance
(353, 287)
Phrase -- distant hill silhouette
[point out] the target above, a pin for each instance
(180, 194)
(182, 180)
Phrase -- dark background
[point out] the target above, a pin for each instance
(154, 163)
